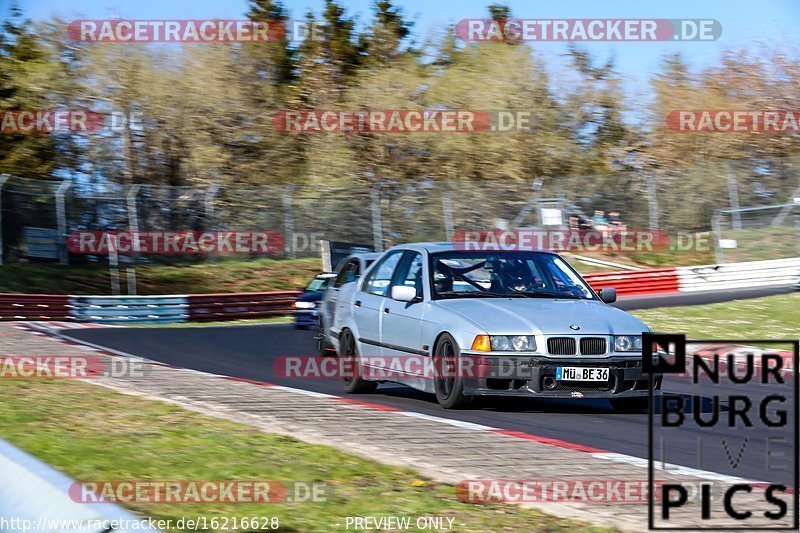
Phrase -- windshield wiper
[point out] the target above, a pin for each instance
(538, 294)
(482, 294)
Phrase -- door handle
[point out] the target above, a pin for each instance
(385, 309)
(358, 303)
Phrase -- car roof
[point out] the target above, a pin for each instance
(447, 246)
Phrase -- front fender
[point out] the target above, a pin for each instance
(462, 329)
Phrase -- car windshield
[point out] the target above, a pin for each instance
(505, 274)
(317, 284)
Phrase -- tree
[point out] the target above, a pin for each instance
(274, 62)
(382, 42)
(24, 71)
(338, 45)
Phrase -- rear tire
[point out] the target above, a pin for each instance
(351, 366)
(635, 404)
(448, 382)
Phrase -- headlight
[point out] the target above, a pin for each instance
(628, 343)
(504, 343)
(305, 305)
(513, 343)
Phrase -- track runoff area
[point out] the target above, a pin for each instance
(729, 407)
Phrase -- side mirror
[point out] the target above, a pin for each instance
(401, 293)
(609, 296)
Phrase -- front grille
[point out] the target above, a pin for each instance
(593, 346)
(561, 346)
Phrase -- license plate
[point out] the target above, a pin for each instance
(578, 373)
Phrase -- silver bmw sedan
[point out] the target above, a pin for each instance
(462, 324)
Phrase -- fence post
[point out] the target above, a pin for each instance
(717, 230)
(113, 267)
(61, 220)
(208, 205)
(787, 209)
(447, 209)
(797, 228)
(652, 201)
(531, 203)
(211, 194)
(3, 179)
(377, 222)
(288, 220)
(133, 223)
(733, 196)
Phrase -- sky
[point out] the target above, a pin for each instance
(744, 23)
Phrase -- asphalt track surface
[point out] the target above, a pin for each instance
(251, 351)
(698, 298)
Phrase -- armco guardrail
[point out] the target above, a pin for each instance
(639, 282)
(234, 306)
(35, 307)
(37, 496)
(146, 309)
(773, 273)
(117, 309)
(240, 305)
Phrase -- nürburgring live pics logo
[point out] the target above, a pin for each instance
(741, 418)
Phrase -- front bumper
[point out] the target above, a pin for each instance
(305, 317)
(526, 376)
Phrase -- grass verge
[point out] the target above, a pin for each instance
(91, 433)
(255, 275)
(763, 318)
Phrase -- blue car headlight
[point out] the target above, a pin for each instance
(305, 305)
(628, 343)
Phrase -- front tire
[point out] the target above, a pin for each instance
(448, 381)
(351, 367)
(635, 404)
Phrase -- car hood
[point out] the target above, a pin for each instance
(310, 296)
(544, 316)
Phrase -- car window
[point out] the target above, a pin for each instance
(377, 282)
(521, 274)
(410, 273)
(348, 273)
(317, 284)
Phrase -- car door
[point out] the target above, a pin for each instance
(368, 302)
(346, 274)
(401, 326)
